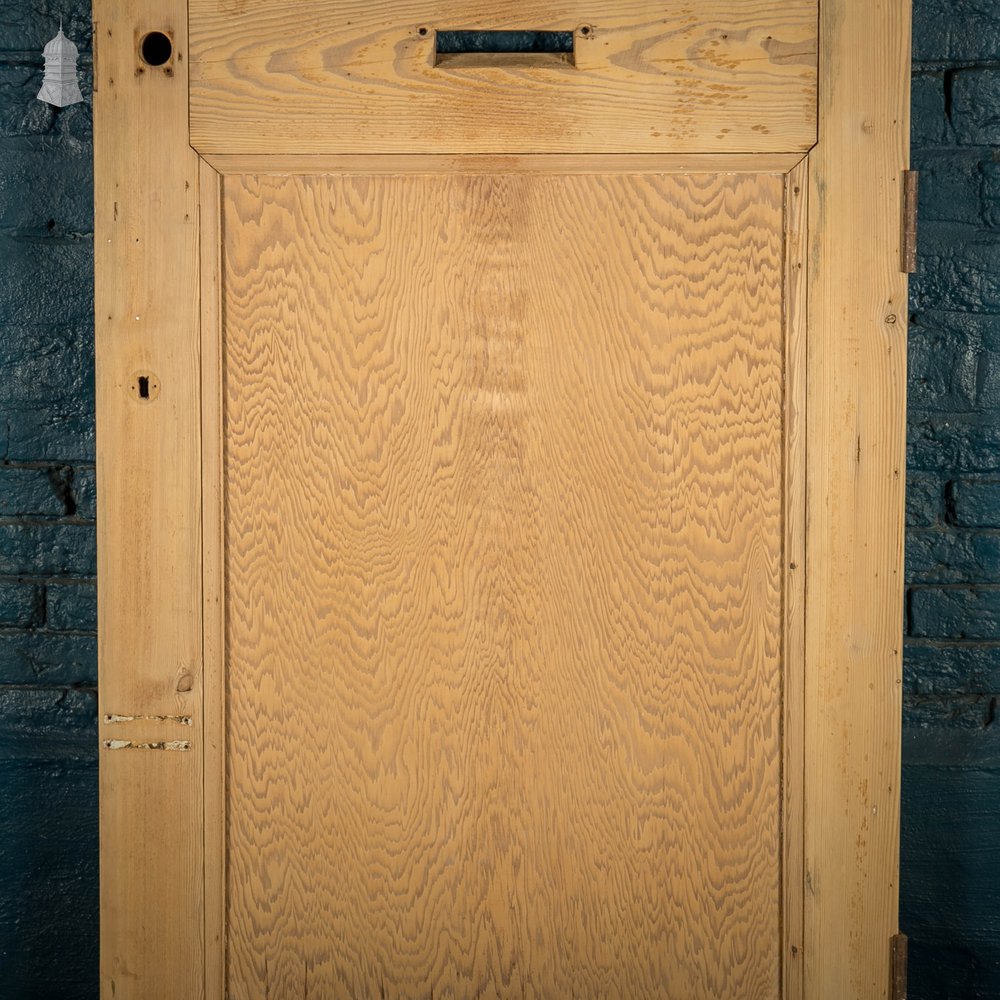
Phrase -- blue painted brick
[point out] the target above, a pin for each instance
(955, 612)
(85, 491)
(44, 187)
(26, 27)
(956, 30)
(56, 549)
(49, 836)
(976, 502)
(47, 658)
(71, 606)
(45, 281)
(957, 269)
(949, 667)
(22, 114)
(924, 500)
(48, 724)
(970, 442)
(19, 604)
(956, 185)
(945, 354)
(950, 854)
(47, 390)
(975, 106)
(946, 555)
(31, 492)
(928, 121)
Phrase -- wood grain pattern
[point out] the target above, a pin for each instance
(856, 443)
(148, 474)
(504, 585)
(312, 76)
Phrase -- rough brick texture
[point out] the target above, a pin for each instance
(951, 754)
(48, 654)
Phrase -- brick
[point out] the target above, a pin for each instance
(957, 269)
(48, 658)
(45, 281)
(55, 724)
(924, 500)
(928, 122)
(939, 555)
(47, 392)
(932, 667)
(976, 502)
(956, 30)
(19, 604)
(975, 106)
(956, 185)
(49, 898)
(22, 114)
(955, 612)
(45, 187)
(56, 549)
(944, 360)
(71, 606)
(85, 491)
(26, 27)
(31, 492)
(970, 442)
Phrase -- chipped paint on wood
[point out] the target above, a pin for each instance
(150, 745)
(183, 720)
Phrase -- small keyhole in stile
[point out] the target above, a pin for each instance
(144, 387)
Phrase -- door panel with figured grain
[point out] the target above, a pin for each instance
(504, 521)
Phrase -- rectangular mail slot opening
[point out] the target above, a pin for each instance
(504, 48)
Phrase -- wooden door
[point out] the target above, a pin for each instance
(500, 464)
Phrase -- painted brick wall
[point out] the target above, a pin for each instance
(48, 787)
(950, 884)
(48, 668)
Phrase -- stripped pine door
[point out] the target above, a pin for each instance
(466, 651)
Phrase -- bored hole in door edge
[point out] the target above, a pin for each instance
(156, 48)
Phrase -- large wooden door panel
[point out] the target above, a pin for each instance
(500, 500)
(503, 536)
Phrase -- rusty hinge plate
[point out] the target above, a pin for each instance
(908, 264)
(899, 949)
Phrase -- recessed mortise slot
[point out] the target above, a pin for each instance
(504, 48)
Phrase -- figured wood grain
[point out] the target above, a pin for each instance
(325, 76)
(856, 443)
(148, 511)
(504, 562)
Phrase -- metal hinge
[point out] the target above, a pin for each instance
(908, 263)
(898, 991)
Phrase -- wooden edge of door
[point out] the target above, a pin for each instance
(855, 442)
(146, 236)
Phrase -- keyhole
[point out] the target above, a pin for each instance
(145, 386)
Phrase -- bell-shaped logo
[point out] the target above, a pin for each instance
(59, 86)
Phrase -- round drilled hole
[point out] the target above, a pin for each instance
(585, 30)
(156, 48)
(422, 31)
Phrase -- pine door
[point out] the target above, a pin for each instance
(500, 451)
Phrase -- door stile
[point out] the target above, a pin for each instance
(856, 457)
(149, 510)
